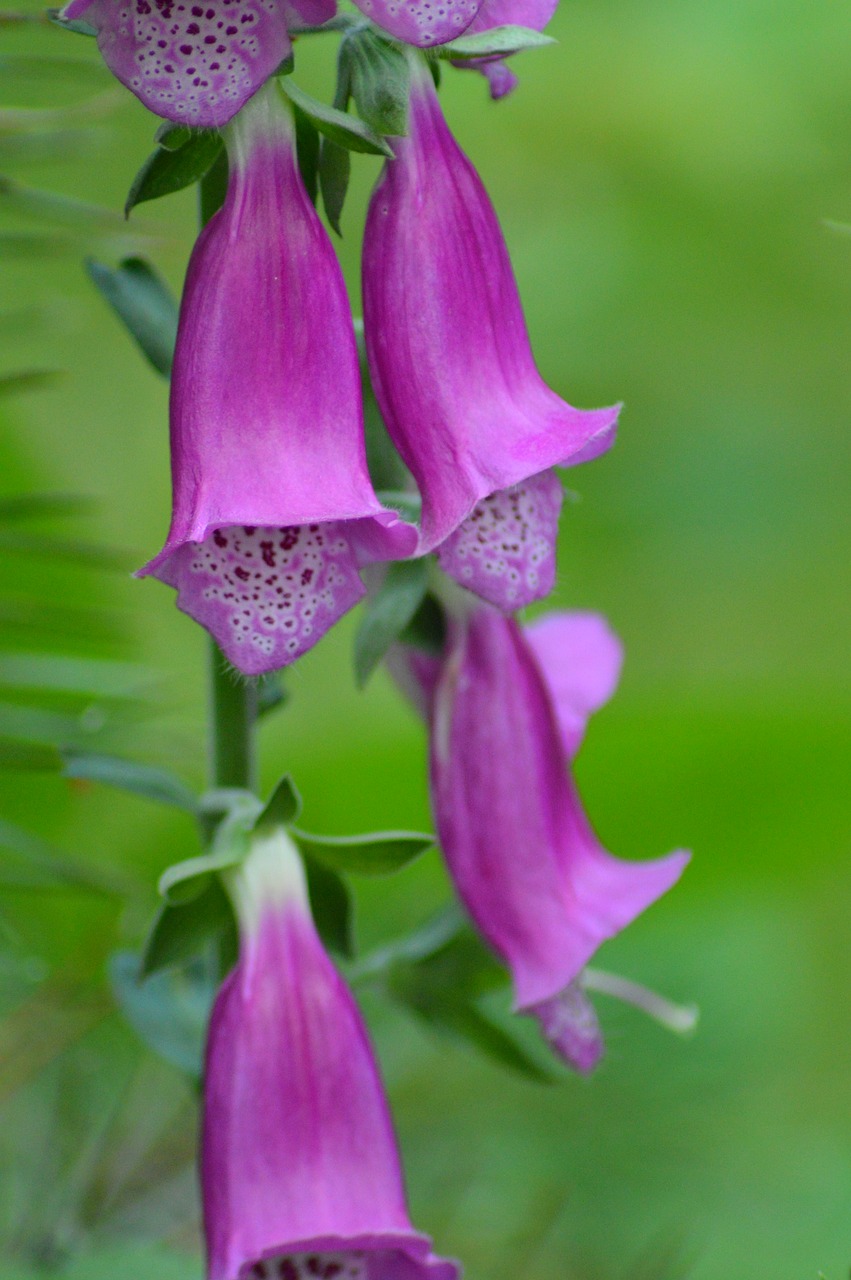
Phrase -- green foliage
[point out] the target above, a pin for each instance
(172, 167)
(144, 305)
(339, 127)
(282, 807)
(388, 612)
(377, 854)
(168, 1010)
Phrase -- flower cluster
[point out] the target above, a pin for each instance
(275, 519)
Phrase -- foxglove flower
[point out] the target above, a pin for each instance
(274, 511)
(507, 712)
(196, 62)
(453, 371)
(299, 1166)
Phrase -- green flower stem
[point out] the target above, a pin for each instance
(233, 712)
(233, 703)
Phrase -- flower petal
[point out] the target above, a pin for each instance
(298, 1155)
(532, 874)
(266, 595)
(421, 22)
(580, 659)
(505, 551)
(449, 356)
(194, 61)
(569, 1022)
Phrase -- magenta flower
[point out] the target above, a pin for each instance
(453, 370)
(507, 711)
(274, 511)
(196, 63)
(299, 1166)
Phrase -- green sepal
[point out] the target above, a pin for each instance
(77, 25)
(388, 613)
(143, 303)
(427, 629)
(331, 907)
(307, 149)
(380, 80)
(128, 775)
(499, 42)
(171, 169)
(344, 129)
(182, 929)
(282, 807)
(184, 881)
(378, 853)
(334, 172)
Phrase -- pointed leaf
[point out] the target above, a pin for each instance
(463, 1019)
(283, 806)
(331, 904)
(307, 147)
(128, 775)
(497, 42)
(377, 854)
(387, 614)
(166, 170)
(427, 628)
(182, 930)
(335, 169)
(143, 303)
(339, 126)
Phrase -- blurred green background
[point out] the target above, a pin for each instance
(665, 177)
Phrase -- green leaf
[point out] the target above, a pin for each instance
(128, 775)
(167, 170)
(427, 628)
(346, 130)
(335, 170)
(181, 930)
(29, 756)
(380, 81)
(498, 42)
(331, 905)
(172, 136)
(427, 990)
(307, 147)
(377, 854)
(143, 303)
(282, 808)
(168, 1011)
(387, 614)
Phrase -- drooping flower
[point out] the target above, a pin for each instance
(196, 61)
(453, 371)
(299, 1166)
(507, 711)
(274, 511)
